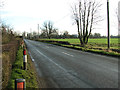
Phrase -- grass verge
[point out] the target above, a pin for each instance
(19, 73)
(86, 49)
(9, 51)
(93, 42)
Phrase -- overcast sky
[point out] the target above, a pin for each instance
(25, 14)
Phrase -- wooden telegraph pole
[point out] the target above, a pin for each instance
(38, 30)
(108, 24)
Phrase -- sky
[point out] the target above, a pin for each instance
(25, 15)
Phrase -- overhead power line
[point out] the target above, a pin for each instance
(62, 18)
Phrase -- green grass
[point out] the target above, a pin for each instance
(97, 42)
(94, 45)
(19, 73)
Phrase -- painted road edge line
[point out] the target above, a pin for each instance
(31, 56)
(51, 60)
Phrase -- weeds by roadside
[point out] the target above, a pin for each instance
(19, 73)
(8, 57)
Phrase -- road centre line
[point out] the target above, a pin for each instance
(68, 54)
(62, 69)
(51, 60)
(47, 47)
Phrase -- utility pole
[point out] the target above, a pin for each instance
(38, 29)
(108, 24)
(30, 33)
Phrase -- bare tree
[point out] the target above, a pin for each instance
(85, 14)
(48, 29)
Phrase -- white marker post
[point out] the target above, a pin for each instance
(24, 59)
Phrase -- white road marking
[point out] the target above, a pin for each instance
(47, 47)
(31, 56)
(68, 54)
(51, 60)
(71, 76)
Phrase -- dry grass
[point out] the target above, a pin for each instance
(18, 72)
(8, 57)
(6, 71)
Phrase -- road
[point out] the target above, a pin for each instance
(68, 68)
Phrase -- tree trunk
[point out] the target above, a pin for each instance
(49, 37)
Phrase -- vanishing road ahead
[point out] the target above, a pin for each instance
(68, 68)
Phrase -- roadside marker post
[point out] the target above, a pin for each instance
(20, 84)
(24, 51)
(24, 59)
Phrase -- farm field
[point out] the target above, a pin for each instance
(97, 42)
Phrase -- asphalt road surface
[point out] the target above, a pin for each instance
(68, 68)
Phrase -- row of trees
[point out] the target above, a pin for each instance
(64, 35)
(85, 15)
(45, 34)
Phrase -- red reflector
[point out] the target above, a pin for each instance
(20, 85)
(24, 52)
